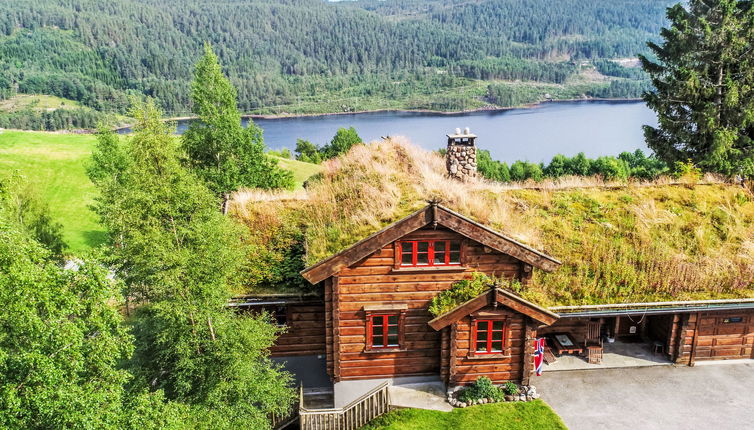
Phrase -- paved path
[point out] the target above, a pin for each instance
(716, 396)
(421, 396)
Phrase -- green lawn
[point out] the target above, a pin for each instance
(534, 415)
(301, 170)
(55, 164)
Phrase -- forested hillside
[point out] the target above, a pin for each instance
(296, 55)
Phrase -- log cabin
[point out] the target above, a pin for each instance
(370, 321)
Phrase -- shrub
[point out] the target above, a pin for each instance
(483, 388)
(460, 292)
(687, 171)
(628, 164)
(557, 167)
(492, 169)
(510, 388)
(579, 165)
(344, 139)
(307, 152)
(610, 168)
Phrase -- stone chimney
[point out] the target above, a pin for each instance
(460, 158)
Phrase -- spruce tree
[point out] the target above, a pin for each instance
(704, 87)
(219, 149)
(180, 260)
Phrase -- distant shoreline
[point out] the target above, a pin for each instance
(307, 115)
(427, 111)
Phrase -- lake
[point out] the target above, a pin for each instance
(534, 134)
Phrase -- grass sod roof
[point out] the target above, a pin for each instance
(619, 243)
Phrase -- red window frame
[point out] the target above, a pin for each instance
(430, 252)
(384, 323)
(490, 330)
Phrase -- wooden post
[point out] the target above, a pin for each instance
(616, 327)
(528, 350)
(445, 354)
(453, 358)
(681, 338)
(672, 336)
(692, 358)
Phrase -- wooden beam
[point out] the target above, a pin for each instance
(495, 240)
(453, 352)
(527, 308)
(330, 266)
(490, 297)
(528, 351)
(681, 338)
(431, 214)
(692, 358)
(672, 335)
(445, 355)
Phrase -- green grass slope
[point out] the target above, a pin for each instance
(55, 164)
(509, 416)
(619, 242)
(301, 170)
(37, 102)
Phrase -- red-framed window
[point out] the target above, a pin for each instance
(417, 253)
(384, 331)
(489, 336)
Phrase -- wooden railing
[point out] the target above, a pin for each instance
(356, 414)
(280, 421)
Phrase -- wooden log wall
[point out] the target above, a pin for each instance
(328, 327)
(685, 340)
(466, 368)
(375, 281)
(306, 331)
(576, 327)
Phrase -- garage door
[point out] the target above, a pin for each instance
(725, 336)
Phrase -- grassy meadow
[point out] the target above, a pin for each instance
(55, 165)
(36, 101)
(301, 170)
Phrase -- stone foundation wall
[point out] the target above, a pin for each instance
(461, 162)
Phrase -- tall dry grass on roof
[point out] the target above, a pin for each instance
(619, 242)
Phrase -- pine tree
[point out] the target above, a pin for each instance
(704, 87)
(221, 151)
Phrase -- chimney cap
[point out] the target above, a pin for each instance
(459, 135)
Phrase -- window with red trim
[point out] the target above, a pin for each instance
(417, 253)
(489, 336)
(384, 331)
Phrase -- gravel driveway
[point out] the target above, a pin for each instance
(709, 396)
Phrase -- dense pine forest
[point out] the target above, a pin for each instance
(314, 56)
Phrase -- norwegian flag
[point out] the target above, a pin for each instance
(539, 355)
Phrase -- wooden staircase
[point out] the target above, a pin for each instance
(350, 417)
